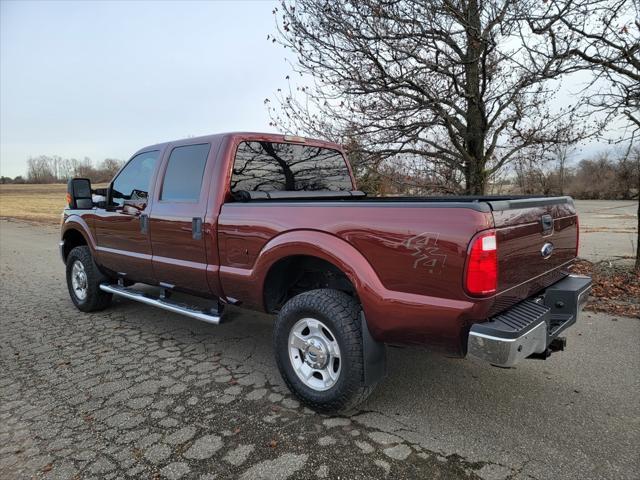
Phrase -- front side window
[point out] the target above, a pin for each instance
(183, 178)
(269, 166)
(132, 184)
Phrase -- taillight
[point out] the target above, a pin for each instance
(577, 236)
(482, 265)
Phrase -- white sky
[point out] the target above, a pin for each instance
(102, 79)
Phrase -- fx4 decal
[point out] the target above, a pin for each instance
(426, 251)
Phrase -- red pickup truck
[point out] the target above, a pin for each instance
(275, 223)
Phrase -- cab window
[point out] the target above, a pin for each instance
(269, 166)
(133, 182)
(183, 178)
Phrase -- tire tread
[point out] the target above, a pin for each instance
(96, 298)
(337, 305)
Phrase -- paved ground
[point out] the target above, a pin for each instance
(608, 229)
(135, 392)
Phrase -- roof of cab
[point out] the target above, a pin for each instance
(239, 136)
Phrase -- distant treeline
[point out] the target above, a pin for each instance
(54, 169)
(605, 177)
(612, 176)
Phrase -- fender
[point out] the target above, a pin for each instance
(78, 223)
(387, 312)
(326, 247)
(298, 242)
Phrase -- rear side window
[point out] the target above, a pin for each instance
(132, 183)
(183, 178)
(268, 166)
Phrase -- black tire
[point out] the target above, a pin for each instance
(95, 298)
(341, 314)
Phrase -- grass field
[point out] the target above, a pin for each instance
(34, 203)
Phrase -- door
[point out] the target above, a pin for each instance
(122, 228)
(176, 221)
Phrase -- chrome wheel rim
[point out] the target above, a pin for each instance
(314, 354)
(79, 280)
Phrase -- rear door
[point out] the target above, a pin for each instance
(176, 221)
(536, 239)
(121, 228)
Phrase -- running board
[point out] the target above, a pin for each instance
(209, 316)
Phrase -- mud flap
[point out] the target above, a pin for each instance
(375, 356)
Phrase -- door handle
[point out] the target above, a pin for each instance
(196, 228)
(144, 223)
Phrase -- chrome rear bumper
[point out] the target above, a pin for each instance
(529, 327)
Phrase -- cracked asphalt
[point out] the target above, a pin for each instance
(134, 392)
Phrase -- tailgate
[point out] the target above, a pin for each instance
(536, 237)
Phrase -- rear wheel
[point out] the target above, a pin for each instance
(83, 281)
(318, 345)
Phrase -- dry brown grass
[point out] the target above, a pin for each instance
(33, 203)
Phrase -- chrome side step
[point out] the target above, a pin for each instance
(209, 316)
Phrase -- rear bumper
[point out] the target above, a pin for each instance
(529, 327)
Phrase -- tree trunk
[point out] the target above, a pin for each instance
(475, 178)
(638, 238)
(475, 174)
(289, 177)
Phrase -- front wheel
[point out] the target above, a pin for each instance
(318, 346)
(83, 281)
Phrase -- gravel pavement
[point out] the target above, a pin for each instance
(135, 392)
(608, 229)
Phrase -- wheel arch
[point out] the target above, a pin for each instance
(326, 248)
(295, 274)
(75, 232)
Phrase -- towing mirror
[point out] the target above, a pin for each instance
(79, 193)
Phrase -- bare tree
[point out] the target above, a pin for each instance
(604, 35)
(52, 169)
(40, 170)
(108, 169)
(446, 81)
(632, 160)
(562, 153)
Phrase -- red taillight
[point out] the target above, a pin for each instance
(482, 265)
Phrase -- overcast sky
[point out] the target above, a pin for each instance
(102, 79)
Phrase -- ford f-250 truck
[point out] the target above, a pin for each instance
(275, 223)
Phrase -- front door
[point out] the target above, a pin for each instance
(122, 229)
(177, 220)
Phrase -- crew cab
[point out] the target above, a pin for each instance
(276, 223)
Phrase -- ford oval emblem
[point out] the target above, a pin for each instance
(546, 250)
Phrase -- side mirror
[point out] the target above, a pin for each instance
(79, 194)
(100, 197)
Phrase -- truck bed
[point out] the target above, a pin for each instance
(477, 202)
(411, 243)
